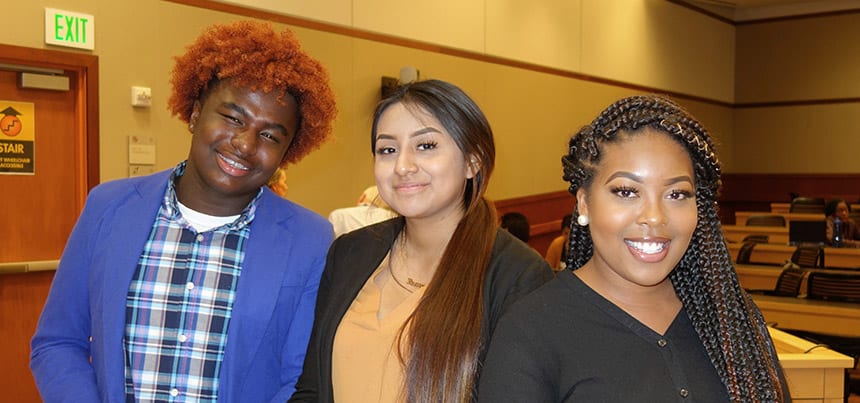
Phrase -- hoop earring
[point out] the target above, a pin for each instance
(582, 220)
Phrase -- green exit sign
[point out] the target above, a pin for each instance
(70, 29)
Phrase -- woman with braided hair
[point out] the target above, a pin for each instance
(652, 310)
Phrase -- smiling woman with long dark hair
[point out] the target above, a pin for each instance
(407, 306)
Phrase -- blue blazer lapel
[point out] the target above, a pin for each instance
(269, 245)
(127, 230)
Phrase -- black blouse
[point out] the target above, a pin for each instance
(565, 343)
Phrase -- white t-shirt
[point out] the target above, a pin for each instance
(203, 222)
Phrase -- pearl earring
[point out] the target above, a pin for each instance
(582, 220)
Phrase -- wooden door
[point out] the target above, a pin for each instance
(47, 202)
(39, 210)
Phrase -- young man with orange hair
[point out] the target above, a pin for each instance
(198, 283)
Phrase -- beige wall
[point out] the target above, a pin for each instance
(815, 60)
(653, 43)
(804, 59)
(649, 43)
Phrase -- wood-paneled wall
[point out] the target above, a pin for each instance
(755, 192)
(740, 192)
(544, 212)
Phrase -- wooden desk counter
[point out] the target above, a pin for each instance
(766, 253)
(741, 216)
(736, 233)
(813, 374)
(763, 277)
(758, 277)
(779, 208)
(838, 318)
(778, 254)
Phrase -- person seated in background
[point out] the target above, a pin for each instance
(556, 254)
(278, 182)
(838, 208)
(370, 209)
(517, 224)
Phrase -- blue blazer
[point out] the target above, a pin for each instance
(77, 351)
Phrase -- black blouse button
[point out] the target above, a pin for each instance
(662, 342)
(684, 392)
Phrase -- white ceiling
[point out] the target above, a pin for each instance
(745, 10)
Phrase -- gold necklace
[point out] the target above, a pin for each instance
(409, 280)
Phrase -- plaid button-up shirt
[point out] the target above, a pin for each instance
(179, 304)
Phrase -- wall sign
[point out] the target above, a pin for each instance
(70, 29)
(17, 138)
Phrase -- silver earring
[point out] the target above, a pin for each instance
(582, 220)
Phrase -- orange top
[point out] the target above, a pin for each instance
(365, 366)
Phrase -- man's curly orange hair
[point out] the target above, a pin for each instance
(251, 54)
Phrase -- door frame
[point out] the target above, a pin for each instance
(86, 128)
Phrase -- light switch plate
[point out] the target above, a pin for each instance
(141, 97)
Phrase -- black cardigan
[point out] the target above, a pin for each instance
(515, 269)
